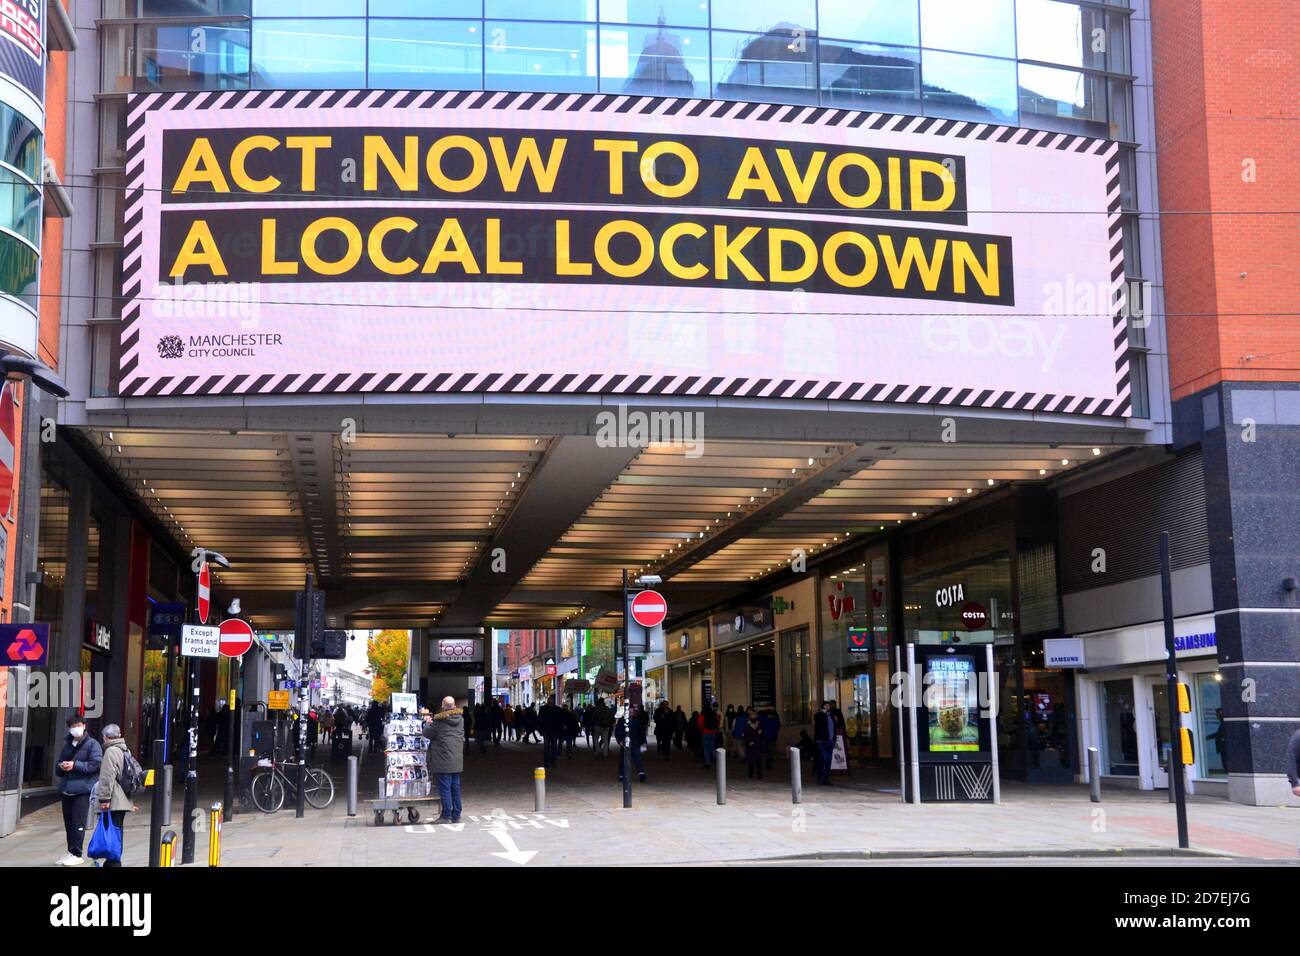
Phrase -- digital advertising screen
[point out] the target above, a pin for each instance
(420, 241)
(953, 720)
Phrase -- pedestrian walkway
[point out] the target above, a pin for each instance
(675, 820)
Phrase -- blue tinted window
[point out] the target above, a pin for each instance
(869, 77)
(682, 13)
(20, 206)
(426, 8)
(193, 8)
(1063, 99)
(972, 26)
(192, 57)
(654, 61)
(969, 87)
(316, 54)
(774, 67)
(309, 8)
(760, 16)
(426, 54)
(556, 57)
(20, 143)
(880, 21)
(1060, 33)
(548, 10)
(19, 270)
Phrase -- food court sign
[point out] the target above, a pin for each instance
(283, 241)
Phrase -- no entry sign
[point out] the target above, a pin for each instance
(236, 637)
(649, 608)
(205, 592)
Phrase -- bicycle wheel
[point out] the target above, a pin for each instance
(318, 788)
(267, 792)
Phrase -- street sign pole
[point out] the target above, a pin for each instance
(235, 668)
(192, 731)
(626, 755)
(1171, 676)
(309, 624)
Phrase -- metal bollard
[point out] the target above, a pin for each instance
(796, 775)
(352, 786)
(167, 795)
(156, 803)
(722, 775)
(214, 836)
(167, 849)
(539, 789)
(1094, 774)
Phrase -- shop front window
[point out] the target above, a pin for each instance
(796, 658)
(856, 653)
(43, 737)
(1119, 729)
(1213, 742)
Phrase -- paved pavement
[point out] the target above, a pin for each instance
(675, 820)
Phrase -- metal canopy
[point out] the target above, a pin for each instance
(400, 529)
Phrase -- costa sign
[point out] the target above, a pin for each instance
(347, 220)
(974, 617)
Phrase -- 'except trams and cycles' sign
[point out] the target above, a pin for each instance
(282, 241)
(198, 640)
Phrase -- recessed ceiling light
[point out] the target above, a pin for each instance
(1096, 452)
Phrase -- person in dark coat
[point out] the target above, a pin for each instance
(78, 770)
(571, 727)
(824, 736)
(679, 727)
(482, 727)
(771, 725)
(445, 731)
(374, 725)
(551, 723)
(665, 724)
(631, 733)
(752, 736)
(692, 733)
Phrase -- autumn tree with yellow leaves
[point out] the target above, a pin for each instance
(388, 652)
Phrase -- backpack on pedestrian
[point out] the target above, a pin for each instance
(132, 776)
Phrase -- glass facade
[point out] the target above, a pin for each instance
(1119, 729)
(20, 206)
(1057, 64)
(1212, 731)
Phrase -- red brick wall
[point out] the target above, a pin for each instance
(1226, 79)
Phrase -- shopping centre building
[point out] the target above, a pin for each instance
(859, 324)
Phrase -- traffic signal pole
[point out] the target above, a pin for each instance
(626, 755)
(309, 625)
(1171, 677)
(188, 838)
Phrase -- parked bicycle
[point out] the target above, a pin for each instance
(274, 783)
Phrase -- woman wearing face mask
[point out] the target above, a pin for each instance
(77, 770)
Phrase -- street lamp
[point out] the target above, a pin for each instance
(20, 366)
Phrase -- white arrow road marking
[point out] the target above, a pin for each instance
(512, 852)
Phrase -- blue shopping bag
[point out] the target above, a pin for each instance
(106, 842)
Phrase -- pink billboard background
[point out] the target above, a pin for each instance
(1060, 348)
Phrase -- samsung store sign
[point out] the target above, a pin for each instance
(1143, 644)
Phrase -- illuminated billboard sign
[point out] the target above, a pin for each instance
(403, 241)
(22, 47)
